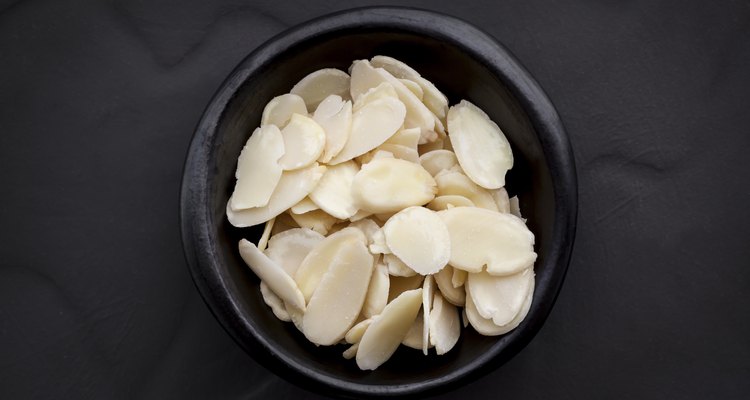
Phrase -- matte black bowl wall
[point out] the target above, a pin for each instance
(464, 63)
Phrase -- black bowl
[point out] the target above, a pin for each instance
(463, 62)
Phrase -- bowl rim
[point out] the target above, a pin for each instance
(195, 218)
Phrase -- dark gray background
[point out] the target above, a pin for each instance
(98, 101)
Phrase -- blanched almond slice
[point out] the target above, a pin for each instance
(290, 247)
(377, 293)
(396, 267)
(317, 220)
(354, 335)
(280, 109)
(258, 170)
(413, 337)
(454, 295)
(380, 91)
(401, 152)
(390, 185)
(447, 145)
(316, 263)
(295, 315)
(372, 125)
(459, 277)
(333, 194)
(499, 297)
(413, 87)
(378, 245)
(513, 207)
(282, 223)
(402, 284)
(369, 227)
(328, 318)
(481, 147)
(263, 241)
(445, 327)
(292, 187)
(451, 182)
(359, 215)
(437, 161)
(305, 205)
(303, 142)
(501, 200)
(272, 274)
(432, 97)
(405, 137)
(481, 237)
(335, 117)
(385, 334)
(351, 352)
(432, 146)
(419, 238)
(273, 301)
(449, 201)
(427, 294)
(364, 77)
(320, 84)
(486, 326)
(464, 317)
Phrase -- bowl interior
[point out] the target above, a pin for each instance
(235, 297)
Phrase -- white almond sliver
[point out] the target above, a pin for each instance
(380, 91)
(480, 237)
(317, 220)
(258, 170)
(419, 238)
(333, 194)
(428, 292)
(263, 241)
(335, 117)
(452, 294)
(385, 334)
(292, 187)
(449, 201)
(359, 215)
(390, 185)
(290, 247)
(432, 146)
(413, 338)
(413, 87)
(501, 200)
(369, 227)
(514, 207)
(396, 267)
(459, 277)
(378, 245)
(401, 284)
(377, 293)
(401, 152)
(280, 109)
(486, 326)
(272, 274)
(320, 84)
(351, 352)
(328, 316)
(303, 142)
(438, 160)
(481, 147)
(499, 297)
(282, 223)
(273, 301)
(445, 326)
(405, 137)
(354, 335)
(316, 263)
(305, 205)
(456, 183)
(372, 125)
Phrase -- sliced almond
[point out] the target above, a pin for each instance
(263, 241)
(334, 115)
(402, 284)
(405, 137)
(360, 214)
(401, 152)
(282, 223)
(438, 160)
(292, 187)
(305, 205)
(380, 91)
(320, 84)
(273, 301)
(396, 267)
(459, 277)
(413, 87)
(369, 227)
(280, 109)
(413, 338)
(317, 220)
(486, 326)
(316, 263)
(419, 238)
(333, 194)
(449, 201)
(427, 294)
(499, 297)
(456, 183)
(501, 200)
(390, 185)
(445, 326)
(377, 293)
(354, 335)
(378, 245)
(385, 334)
(303, 142)
(290, 247)
(481, 237)
(372, 125)
(258, 170)
(481, 147)
(328, 318)
(514, 207)
(454, 295)
(272, 274)
(430, 146)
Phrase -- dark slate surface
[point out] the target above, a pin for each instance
(97, 105)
